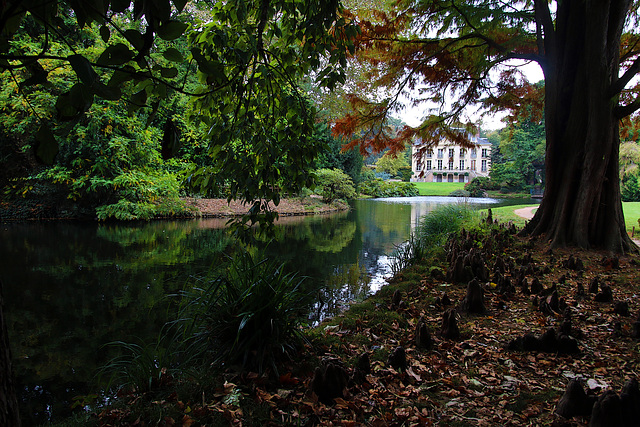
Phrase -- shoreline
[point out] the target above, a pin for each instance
(194, 208)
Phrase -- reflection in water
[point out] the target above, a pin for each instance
(71, 288)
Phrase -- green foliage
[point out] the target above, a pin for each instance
(436, 227)
(392, 164)
(376, 187)
(478, 186)
(350, 162)
(460, 193)
(110, 162)
(140, 367)
(432, 232)
(241, 63)
(519, 148)
(630, 190)
(250, 315)
(405, 173)
(334, 184)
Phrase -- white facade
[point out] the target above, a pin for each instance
(447, 162)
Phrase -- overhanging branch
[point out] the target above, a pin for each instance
(623, 111)
(631, 72)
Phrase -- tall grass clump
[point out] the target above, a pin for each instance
(431, 234)
(142, 367)
(251, 315)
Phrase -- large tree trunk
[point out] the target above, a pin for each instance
(9, 415)
(581, 205)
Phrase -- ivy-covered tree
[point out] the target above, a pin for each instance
(466, 53)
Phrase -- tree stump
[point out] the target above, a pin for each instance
(630, 399)
(396, 298)
(621, 308)
(473, 302)
(329, 382)
(398, 359)
(449, 329)
(536, 286)
(423, 336)
(445, 300)
(635, 332)
(362, 368)
(580, 290)
(574, 401)
(607, 411)
(605, 294)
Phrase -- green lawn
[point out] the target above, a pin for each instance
(631, 215)
(438, 188)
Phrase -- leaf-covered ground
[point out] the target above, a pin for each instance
(473, 380)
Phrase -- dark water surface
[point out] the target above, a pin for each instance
(70, 288)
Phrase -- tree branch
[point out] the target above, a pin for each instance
(623, 111)
(620, 83)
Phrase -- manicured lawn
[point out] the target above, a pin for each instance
(438, 188)
(631, 215)
(506, 214)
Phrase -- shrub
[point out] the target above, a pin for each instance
(439, 224)
(460, 193)
(334, 184)
(430, 235)
(250, 315)
(405, 173)
(479, 186)
(378, 188)
(630, 191)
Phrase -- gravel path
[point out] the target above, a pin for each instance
(526, 213)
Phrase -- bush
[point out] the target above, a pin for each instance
(630, 191)
(334, 184)
(405, 173)
(436, 227)
(250, 315)
(378, 188)
(460, 193)
(479, 186)
(431, 234)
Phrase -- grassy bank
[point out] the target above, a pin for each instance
(631, 215)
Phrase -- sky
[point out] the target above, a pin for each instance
(413, 115)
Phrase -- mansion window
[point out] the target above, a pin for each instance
(473, 165)
(451, 151)
(428, 165)
(450, 162)
(484, 153)
(418, 166)
(429, 153)
(461, 164)
(484, 166)
(439, 164)
(440, 153)
(474, 153)
(463, 152)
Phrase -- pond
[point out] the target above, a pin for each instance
(72, 288)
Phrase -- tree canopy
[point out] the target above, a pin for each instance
(450, 56)
(249, 58)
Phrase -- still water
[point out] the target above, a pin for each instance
(71, 288)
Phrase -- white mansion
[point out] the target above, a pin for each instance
(447, 162)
